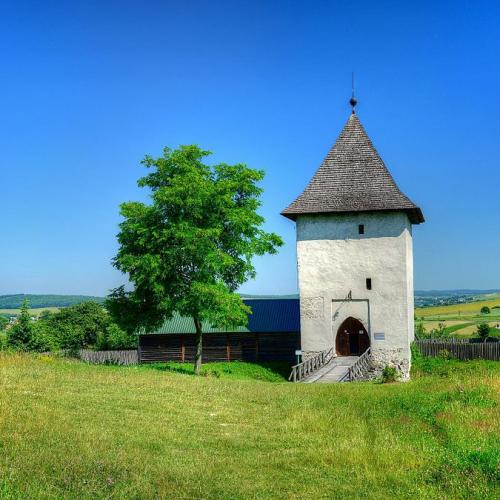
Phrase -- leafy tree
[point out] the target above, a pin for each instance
(420, 331)
(439, 332)
(80, 325)
(3, 323)
(21, 332)
(42, 338)
(485, 310)
(116, 338)
(192, 247)
(45, 314)
(483, 331)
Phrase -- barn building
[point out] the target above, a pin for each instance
(354, 255)
(272, 334)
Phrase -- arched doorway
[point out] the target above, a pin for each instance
(352, 338)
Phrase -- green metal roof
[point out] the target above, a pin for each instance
(268, 316)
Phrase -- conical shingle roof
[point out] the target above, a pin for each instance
(352, 178)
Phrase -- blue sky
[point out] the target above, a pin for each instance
(89, 88)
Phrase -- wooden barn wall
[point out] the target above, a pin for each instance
(220, 347)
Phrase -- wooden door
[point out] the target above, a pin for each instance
(352, 338)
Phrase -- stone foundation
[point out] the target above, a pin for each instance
(398, 358)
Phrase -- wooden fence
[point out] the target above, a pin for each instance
(128, 357)
(461, 350)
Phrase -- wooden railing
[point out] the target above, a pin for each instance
(310, 365)
(358, 370)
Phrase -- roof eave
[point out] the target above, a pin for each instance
(414, 214)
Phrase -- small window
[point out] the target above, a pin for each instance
(368, 283)
(361, 229)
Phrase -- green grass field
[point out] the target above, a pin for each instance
(468, 309)
(461, 320)
(71, 430)
(33, 312)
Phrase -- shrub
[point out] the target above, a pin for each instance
(483, 331)
(420, 331)
(46, 314)
(42, 338)
(445, 354)
(115, 338)
(19, 336)
(68, 336)
(79, 325)
(439, 332)
(485, 310)
(3, 323)
(415, 352)
(389, 374)
(3, 340)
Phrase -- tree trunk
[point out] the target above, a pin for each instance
(199, 346)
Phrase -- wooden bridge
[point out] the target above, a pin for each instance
(325, 367)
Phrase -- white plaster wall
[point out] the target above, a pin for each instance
(333, 260)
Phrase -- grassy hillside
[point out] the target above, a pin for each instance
(79, 431)
(471, 308)
(44, 301)
(461, 320)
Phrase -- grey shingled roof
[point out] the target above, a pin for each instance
(352, 178)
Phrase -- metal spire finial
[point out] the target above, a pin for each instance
(353, 100)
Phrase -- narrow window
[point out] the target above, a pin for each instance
(361, 229)
(368, 283)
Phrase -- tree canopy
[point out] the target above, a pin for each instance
(192, 247)
(20, 334)
(483, 331)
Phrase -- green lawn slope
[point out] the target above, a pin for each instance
(71, 430)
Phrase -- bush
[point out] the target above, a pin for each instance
(415, 352)
(115, 338)
(68, 336)
(440, 332)
(389, 374)
(420, 331)
(3, 340)
(80, 325)
(42, 338)
(85, 325)
(483, 331)
(445, 354)
(485, 310)
(19, 336)
(3, 323)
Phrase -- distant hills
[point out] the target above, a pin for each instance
(452, 293)
(40, 301)
(422, 298)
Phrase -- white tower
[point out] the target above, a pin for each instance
(354, 255)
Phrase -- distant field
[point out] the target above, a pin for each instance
(34, 312)
(459, 309)
(461, 320)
